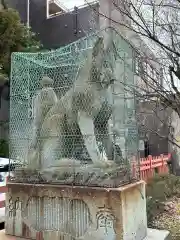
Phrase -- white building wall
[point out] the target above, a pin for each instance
(110, 16)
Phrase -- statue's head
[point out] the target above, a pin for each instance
(98, 47)
(101, 71)
(107, 77)
(46, 81)
(98, 53)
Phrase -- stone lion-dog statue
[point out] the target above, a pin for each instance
(71, 119)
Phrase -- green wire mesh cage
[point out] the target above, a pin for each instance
(72, 113)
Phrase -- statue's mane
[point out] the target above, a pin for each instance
(90, 62)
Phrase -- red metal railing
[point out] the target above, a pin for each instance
(151, 165)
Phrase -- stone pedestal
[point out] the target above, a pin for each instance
(68, 213)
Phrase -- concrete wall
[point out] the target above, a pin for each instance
(175, 123)
(56, 31)
(134, 212)
(157, 145)
(116, 19)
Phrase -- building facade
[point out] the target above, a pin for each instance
(53, 25)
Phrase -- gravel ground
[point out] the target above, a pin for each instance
(170, 218)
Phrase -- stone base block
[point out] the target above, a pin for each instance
(45, 212)
(153, 234)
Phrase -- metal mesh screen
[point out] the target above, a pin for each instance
(72, 113)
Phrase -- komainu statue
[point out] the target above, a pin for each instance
(79, 118)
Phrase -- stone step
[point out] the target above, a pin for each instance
(154, 234)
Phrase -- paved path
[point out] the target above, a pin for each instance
(2, 210)
(3, 236)
(2, 215)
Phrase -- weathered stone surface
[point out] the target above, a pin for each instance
(153, 234)
(58, 211)
(84, 175)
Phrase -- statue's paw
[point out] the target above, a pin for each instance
(110, 163)
(67, 162)
(105, 164)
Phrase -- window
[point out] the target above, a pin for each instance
(54, 8)
(116, 2)
(57, 7)
(149, 71)
(152, 73)
(139, 66)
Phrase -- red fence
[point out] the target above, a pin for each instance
(152, 165)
